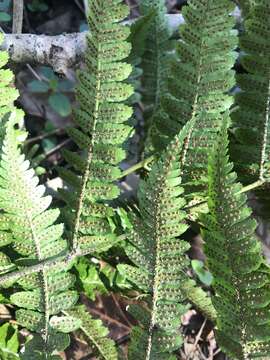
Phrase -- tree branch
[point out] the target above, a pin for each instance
(61, 52)
(17, 23)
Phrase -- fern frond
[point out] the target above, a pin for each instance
(251, 117)
(8, 94)
(28, 229)
(155, 64)
(102, 120)
(241, 277)
(200, 79)
(96, 332)
(199, 298)
(35, 238)
(159, 254)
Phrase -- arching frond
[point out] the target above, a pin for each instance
(102, 128)
(200, 79)
(251, 119)
(28, 231)
(241, 276)
(155, 65)
(159, 255)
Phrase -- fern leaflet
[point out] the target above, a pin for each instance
(102, 121)
(155, 64)
(160, 255)
(96, 332)
(201, 77)
(27, 228)
(241, 276)
(251, 118)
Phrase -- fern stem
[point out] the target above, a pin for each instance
(157, 210)
(252, 186)
(42, 275)
(51, 263)
(244, 189)
(74, 244)
(48, 264)
(140, 165)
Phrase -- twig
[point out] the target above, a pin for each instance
(49, 153)
(252, 186)
(196, 341)
(44, 136)
(56, 148)
(200, 333)
(80, 6)
(86, 6)
(17, 16)
(217, 352)
(36, 75)
(107, 318)
(121, 310)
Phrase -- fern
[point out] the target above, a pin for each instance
(201, 77)
(160, 255)
(102, 121)
(95, 331)
(155, 64)
(251, 118)
(187, 108)
(27, 228)
(199, 298)
(31, 233)
(7, 93)
(241, 277)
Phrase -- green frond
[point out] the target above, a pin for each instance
(101, 128)
(8, 94)
(251, 118)
(28, 228)
(200, 79)
(199, 298)
(96, 332)
(159, 254)
(154, 64)
(241, 277)
(34, 237)
(34, 349)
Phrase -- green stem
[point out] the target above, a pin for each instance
(245, 189)
(52, 263)
(252, 186)
(140, 165)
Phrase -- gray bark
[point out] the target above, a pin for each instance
(61, 52)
